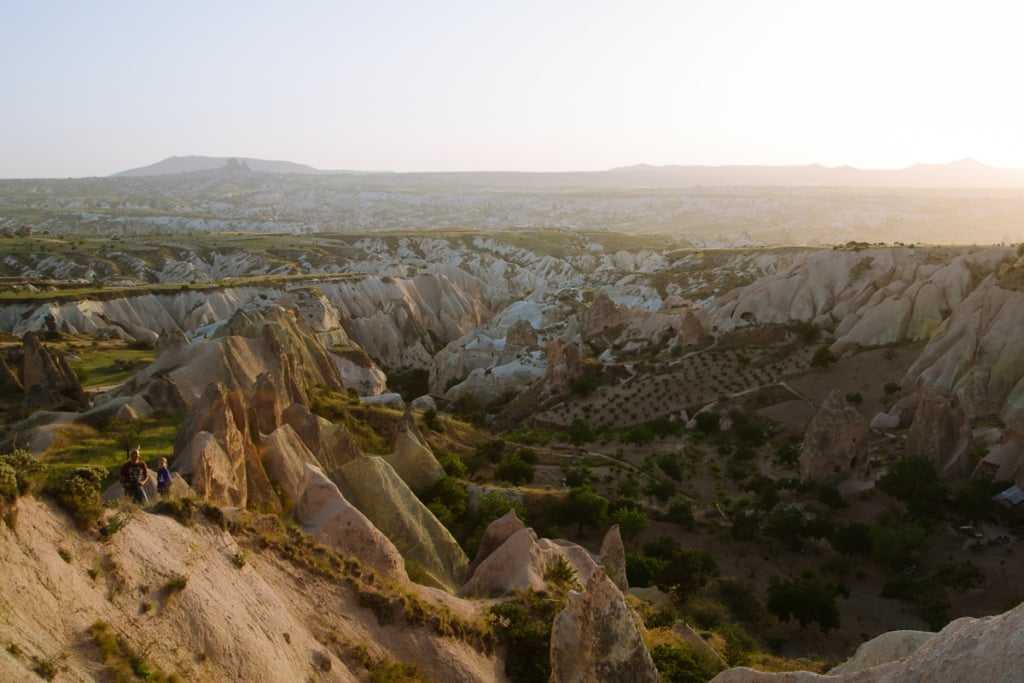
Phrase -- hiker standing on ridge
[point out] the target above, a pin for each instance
(163, 478)
(133, 475)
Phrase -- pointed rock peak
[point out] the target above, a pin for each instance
(613, 558)
(596, 637)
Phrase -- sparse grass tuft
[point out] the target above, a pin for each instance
(123, 663)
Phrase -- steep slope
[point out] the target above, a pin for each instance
(261, 618)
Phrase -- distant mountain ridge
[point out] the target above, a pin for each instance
(966, 173)
(191, 164)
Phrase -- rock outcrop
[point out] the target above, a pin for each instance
(613, 558)
(835, 443)
(496, 533)
(325, 514)
(331, 443)
(888, 647)
(941, 432)
(520, 563)
(46, 377)
(412, 458)
(285, 459)
(596, 637)
(985, 650)
(264, 621)
(213, 449)
(373, 486)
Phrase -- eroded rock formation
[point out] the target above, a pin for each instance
(835, 443)
(596, 637)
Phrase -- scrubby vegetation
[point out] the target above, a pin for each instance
(122, 662)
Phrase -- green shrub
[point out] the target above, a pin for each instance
(741, 600)
(806, 599)
(898, 544)
(175, 585)
(514, 470)
(122, 662)
(585, 507)
(854, 398)
(430, 419)
(452, 464)
(676, 664)
(580, 432)
(114, 524)
(822, 358)
(853, 539)
(643, 570)
(915, 482)
(681, 512)
(8, 482)
(524, 625)
(561, 576)
(706, 612)
(388, 671)
(662, 489)
(669, 464)
(631, 521)
(181, 509)
(78, 492)
(25, 467)
(708, 422)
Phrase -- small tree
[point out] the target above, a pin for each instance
(822, 358)
(805, 599)
(586, 507)
(631, 521)
(915, 482)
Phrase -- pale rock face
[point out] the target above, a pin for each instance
(425, 403)
(986, 650)
(613, 558)
(46, 376)
(870, 297)
(363, 375)
(266, 404)
(978, 355)
(285, 458)
(520, 563)
(372, 485)
(596, 637)
(885, 421)
(390, 400)
(835, 442)
(412, 458)
(564, 366)
(1003, 461)
(496, 533)
(888, 647)
(330, 443)
(327, 516)
(941, 432)
(215, 475)
(521, 334)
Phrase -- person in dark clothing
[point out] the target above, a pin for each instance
(134, 474)
(163, 478)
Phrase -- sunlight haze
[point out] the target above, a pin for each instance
(94, 88)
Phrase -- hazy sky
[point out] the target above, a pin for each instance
(94, 87)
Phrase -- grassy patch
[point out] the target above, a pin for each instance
(81, 445)
(123, 663)
(104, 367)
